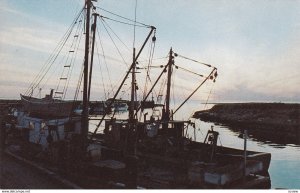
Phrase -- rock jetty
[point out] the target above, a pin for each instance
(279, 120)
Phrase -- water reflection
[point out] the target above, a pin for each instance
(285, 161)
(267, 136)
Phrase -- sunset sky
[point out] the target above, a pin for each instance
(255, 44)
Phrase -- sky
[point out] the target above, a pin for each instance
(255, 44)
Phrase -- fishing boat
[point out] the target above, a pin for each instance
(47, 106)
(169, 159)
(46, 130)
(152, 153)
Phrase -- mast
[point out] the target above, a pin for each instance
(92, 54)
(133, 90)
(85, 119)
(124, 79)
(170, 64)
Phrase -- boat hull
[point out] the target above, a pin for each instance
(47, 107)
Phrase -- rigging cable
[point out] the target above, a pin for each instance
(105, 61)
(65, 63)
(209, 65)
(142, 24)
(117, 21)
(116, 35)
(79, 83)
(173, 85)
(105, 97)
(134, 24)
(189, 71)
(66, 58)
(152, 48)
(102, 21)
(208, 96)
(38, 78)
(72, 63)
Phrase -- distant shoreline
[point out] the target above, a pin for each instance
(280, 120)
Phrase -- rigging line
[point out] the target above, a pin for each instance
(68, 60)
(150, 63)
(101, 73)
(155, 59)
(54, 58)
(126, 76)
(121, 22)
(50, 64)
(114, 44)
(117, 36)
(162, 86)
(134, 23)
(53, 52)
(123, 17)
(191, 116)
(151, 60)
(72, 63)
(79, 83)
(173, 85)
(208, 96)
(209, 65)
(147, 73)
(211, 73)
(156, 66)
(105, 61)
(190, 71)
(60, 63)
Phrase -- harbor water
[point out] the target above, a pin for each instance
(285, 161)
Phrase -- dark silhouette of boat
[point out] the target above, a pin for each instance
(47, 106)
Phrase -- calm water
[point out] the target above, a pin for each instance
(285, 162)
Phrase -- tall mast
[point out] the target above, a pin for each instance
(133, 90)
(124, 79)
(170, 65)
(92, 54)
(85, 119)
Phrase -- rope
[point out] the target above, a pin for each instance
(190, 71)
(152, 47)
(105, 61)
(72, 63)
(209, 65)
(208, 96)
(39, 77)
(101, 73)
(145, 25)
(134, 24)
(116, 35)
(114, 43)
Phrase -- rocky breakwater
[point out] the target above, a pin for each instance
(276, 122)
